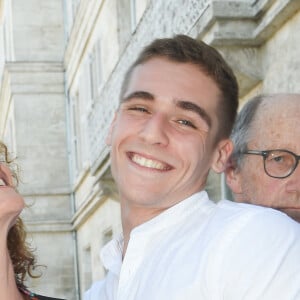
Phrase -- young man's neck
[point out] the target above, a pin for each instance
(133, 217)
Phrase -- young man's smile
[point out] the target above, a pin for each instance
(148, 163)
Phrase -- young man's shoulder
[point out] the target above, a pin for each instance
(256, 219)
(235, 208)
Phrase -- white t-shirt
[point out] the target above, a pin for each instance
(201, 250)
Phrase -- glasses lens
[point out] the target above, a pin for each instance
(279, 163)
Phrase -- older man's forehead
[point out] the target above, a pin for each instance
(276, 108)
(277, 122)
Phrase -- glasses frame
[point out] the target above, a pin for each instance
(265, 154)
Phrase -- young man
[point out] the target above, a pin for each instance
(264, 165)
(178, 104)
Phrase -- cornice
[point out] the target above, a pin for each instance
(243, 23)
(31, 78)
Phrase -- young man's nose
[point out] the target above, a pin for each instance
(155, 130)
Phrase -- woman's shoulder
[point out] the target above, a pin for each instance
(33, 296)
(40, 297)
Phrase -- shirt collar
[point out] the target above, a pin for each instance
(176, 213)
(111, 254)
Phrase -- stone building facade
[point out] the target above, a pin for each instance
(61, 66)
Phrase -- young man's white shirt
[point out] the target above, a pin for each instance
(201, 250)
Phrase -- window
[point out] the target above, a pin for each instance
(75, 133)
(137, 9)
(70, 10)
(8, 34)
(95, 68)
(87, 268)
(80, 106)
(107, 236)
(133, 15)
(75, 4)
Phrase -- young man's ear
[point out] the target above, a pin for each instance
(221, 155)
(233, 178)
(111, 127)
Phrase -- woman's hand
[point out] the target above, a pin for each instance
(11, 203)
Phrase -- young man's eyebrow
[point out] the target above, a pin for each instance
(138, 94)
(183, 104)
(187, 105)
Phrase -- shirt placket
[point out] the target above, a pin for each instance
(128, 283)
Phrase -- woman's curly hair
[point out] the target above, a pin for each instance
(21, 254)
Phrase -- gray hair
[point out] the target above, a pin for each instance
(242, 129)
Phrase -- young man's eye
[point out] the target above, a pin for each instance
(138, 108)
(187, 123)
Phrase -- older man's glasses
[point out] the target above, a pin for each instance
(277, 163)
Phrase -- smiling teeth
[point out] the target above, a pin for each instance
(2, 182)
(148, 163)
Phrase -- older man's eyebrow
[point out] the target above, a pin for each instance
(138, 94)
(187, 105)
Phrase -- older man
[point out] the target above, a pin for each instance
(178, 104)
(264, 165)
